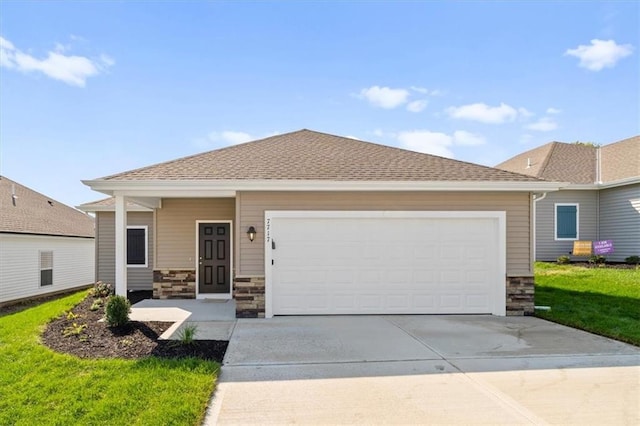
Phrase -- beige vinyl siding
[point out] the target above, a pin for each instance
(176, 228)
(620, 220)
(73, 264)
(547, 248)
(252, 206)
(137, 278)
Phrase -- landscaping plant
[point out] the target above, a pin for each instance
(187, 334)
(632, 260)
(101, 289)
(117, 311)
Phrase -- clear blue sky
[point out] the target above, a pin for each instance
(93, 88)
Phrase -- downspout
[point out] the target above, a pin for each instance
(599, 182)
(536, 198)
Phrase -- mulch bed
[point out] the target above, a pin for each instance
(133, 341)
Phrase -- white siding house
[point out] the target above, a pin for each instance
(45, 247)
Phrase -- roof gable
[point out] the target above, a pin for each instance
(315, 156)
(577, 163)
(35, 213)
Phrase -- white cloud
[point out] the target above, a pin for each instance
(230, 137)
(71, 69)
(417, 106)
(425, 91)
(600, 54)
(484, 113)
(525, 113)
(427, 142)
(464, 138)
(385, 97)
(545, 124)
(438, 143)
(352, 137)
(422, 90)
(552, 110)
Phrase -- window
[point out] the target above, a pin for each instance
(46, 268)
(137, 246)
(567, 221)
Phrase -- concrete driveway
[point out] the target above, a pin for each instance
(424, 369)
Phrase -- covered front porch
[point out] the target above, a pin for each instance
(192, 249)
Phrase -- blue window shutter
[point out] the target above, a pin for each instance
(566, 224)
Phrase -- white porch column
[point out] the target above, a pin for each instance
(121, 245)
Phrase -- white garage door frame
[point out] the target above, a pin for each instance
(499, 293)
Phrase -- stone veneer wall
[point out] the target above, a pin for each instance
(520, 296)
(249, 295)
(174, 284)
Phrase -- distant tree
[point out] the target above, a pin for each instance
(593, 144)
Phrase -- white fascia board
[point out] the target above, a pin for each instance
(93, 209)
(596, 186)
(228, 188)
(620, 182)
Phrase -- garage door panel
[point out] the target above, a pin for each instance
(384, 265)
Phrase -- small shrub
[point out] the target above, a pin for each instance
(632, 260)
(101, 289)
(73, 330)
(187, 334)
(117, 311)
(563, 260)
(597, 259)
(97, 304)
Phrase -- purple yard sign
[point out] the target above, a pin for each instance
(603, 247)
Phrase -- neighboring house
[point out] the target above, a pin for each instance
(602, 201)
(46, 247)
(140, 233)
(309, 223)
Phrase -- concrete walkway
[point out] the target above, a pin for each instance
(214, 318)
(424, 369)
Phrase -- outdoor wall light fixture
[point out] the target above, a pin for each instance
(251, 232)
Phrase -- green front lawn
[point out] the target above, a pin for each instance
(601, 300)
(39, 386)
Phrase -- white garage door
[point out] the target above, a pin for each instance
(385, 263)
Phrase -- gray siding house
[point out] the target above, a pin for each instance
(140, 233)
(602, 201)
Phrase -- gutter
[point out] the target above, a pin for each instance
(208, 188)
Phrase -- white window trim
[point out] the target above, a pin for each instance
(40, 268)
(555, 221)
(146, 246)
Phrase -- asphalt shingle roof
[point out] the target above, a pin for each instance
(576, 163)
(35, 213)
(309, 155)
(621, 160)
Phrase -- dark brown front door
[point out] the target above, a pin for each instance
(214, 258)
